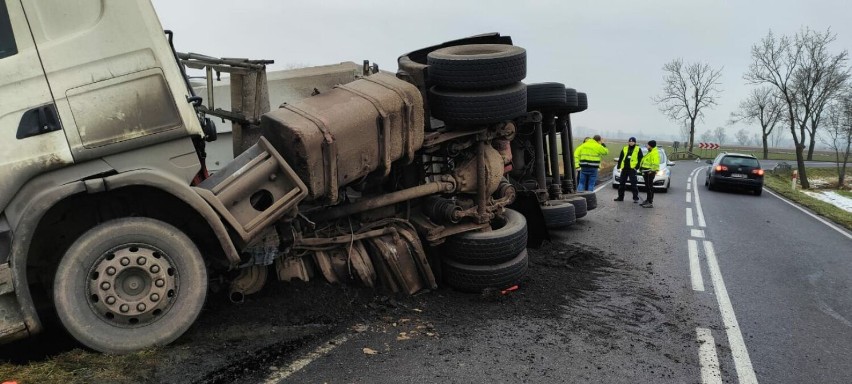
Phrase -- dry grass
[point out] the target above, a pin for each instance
(79, 366)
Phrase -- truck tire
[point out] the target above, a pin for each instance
(571, 98)
(591, 199)
(507, 238)
(477, 66)
(582, 102)
(129, 284)
(545, 96)
(558, 214)
(580, 207)
(478, 107)
(476, 278)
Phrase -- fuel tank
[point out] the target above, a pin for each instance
(339, 136)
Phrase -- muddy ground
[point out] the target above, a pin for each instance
(601, 302)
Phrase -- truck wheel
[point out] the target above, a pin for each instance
(478, 107)
(558, 214)
(477, 66)
(129, 284)
(591, 199)
(546, 96)
(572, 99)
(504, 242)
(580, 207)
(582, 102)
(475, 278)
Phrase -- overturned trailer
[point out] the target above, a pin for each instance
(110, 219)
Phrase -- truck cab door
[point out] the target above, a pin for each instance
(115, 79)
(31, 137)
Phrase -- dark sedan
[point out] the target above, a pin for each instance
(735, 170)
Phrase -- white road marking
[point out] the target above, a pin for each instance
(707, 357)
(699, 233)
(824, 221)
(698, 211)
(602, 186)
(742, 362)
(689, 222)
(688, 197)
(299, 364)
(695, 266)
(688, 186)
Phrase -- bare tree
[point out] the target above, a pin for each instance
(756, 140)
(838, 133)
(684, 132)
(775, 138)
(719, 135)
(707, 136)
(819, 78)
(687, 90)
(775, 62)
(761, 107)
(742, 137)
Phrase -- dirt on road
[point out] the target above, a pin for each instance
(603, 303)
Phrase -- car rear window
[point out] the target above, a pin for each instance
(7, 40)
(740, 161)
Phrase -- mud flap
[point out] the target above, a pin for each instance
(401, 263)
(337, 267)
(527, 204)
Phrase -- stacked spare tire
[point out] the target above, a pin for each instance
(474, 85)
(477, 84)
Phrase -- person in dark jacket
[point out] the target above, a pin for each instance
(628, 163)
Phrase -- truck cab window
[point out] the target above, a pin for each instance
(7, 40)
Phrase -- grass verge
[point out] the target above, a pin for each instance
(78, 366)
(781, 185)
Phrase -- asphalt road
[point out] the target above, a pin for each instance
(706, 287)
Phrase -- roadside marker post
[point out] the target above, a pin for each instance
(795, 175)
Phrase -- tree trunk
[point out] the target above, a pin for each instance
(842, 174)
(765, 147)
(800, 161)
(811, 146)
(691, 134)
(800, 147)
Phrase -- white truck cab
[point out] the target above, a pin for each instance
(99, 139)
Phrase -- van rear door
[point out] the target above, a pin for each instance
(31, 137)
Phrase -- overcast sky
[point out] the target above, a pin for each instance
(612, 50)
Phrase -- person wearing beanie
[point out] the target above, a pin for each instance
(649, 166)
(588, 158)
(628, 163)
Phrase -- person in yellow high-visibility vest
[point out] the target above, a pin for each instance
(628, 163)
(588, 158)
(649, 166)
